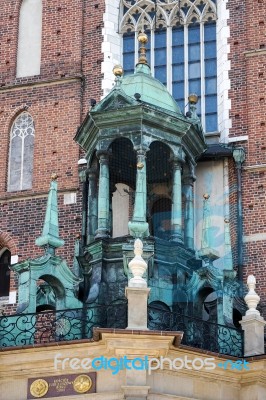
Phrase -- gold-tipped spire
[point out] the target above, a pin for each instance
(143, 39)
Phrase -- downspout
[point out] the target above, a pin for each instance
(239, 157)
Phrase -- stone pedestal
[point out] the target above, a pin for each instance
(252, 323)
(253, 327)
(137, 307)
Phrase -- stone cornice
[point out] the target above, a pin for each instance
(19, 196)
(39, 360)
(41, 83)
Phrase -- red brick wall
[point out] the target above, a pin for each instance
(58, 100)
(248, 87)
(92, 55)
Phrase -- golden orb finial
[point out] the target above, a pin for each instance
(54, 176)
(193, 98)
(206, 196)
(118, 70)
(143, 38)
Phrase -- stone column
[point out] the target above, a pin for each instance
(139, 227)
(83, 179)
(103, 195)
(176, 218)
(92, 205)
(252, 323)
(189, 211)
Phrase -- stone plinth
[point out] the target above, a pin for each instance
(253, 327)
(252, 323)
(137, 307)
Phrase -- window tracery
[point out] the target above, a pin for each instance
(165, 13)
(21, 153)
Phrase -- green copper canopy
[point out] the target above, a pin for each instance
(151, 90)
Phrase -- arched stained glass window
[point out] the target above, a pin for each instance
(21, 153)
(182, 48)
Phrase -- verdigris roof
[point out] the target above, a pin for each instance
(151, 90)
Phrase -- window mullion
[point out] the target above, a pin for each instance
(136, 48)
(202, 66)
(169, 59)
(9, 158)
(152, 51)
(22, 161)
(186, 67)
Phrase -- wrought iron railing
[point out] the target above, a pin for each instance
(198, 333)
(76, 324)
(55, 326)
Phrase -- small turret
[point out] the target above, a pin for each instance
(50, 235)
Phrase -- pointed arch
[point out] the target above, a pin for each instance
(7, 241)
(21, 149)
(29, 38)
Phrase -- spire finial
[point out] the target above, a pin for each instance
(118, 70)
(118, 73)
(50, 234)
(143, 39)
(193, 99)
(54, 176)
(252, 299)
(137, 266)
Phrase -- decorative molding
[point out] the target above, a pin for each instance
(43, 83)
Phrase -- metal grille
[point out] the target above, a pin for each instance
(55, 326)
(198, 333)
